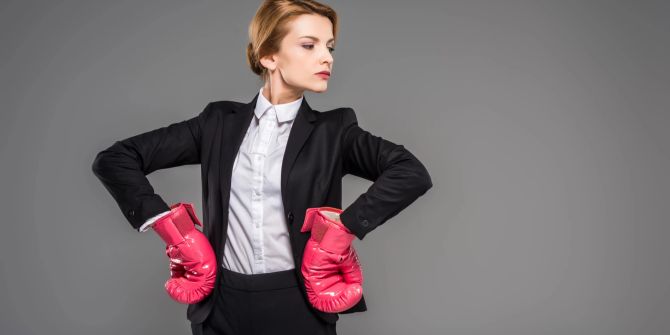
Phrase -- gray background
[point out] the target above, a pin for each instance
(544, 125)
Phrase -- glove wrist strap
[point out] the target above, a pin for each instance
(174, 226)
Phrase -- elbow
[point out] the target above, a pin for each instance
(418, 181)
(419, 178)
(422, 178)
(106, 159)
(97, 165)
(428, 183)
(100, 164)
(424, 182)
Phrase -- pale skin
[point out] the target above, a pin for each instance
(292, 70)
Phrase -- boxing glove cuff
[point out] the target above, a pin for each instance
(173, 226)
(331, 234)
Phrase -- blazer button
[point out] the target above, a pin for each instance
(290, 216)
(131, 212)
(365, 223)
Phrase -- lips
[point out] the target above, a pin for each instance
(323, 74)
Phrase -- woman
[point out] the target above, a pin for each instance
(271, 174)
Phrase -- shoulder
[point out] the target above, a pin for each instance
(224, 105)
(214, 109)
(338, 115)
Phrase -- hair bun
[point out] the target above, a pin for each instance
(252, 60)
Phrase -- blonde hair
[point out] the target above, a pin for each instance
(270, 25)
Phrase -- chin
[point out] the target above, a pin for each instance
(319, 88)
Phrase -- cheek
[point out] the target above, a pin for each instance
(299, 68)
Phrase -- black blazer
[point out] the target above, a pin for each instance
(322, 147)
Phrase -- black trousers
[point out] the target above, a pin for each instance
(259, 304)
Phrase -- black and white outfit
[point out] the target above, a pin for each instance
(265, 164)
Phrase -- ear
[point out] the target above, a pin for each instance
(269, 62)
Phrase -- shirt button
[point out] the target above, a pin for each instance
(365, 223)
(290, 216)
(131, 212)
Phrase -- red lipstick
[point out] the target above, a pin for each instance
(323, 74)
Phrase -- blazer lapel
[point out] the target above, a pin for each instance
(300, 130)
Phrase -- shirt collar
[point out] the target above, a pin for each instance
(285, 112)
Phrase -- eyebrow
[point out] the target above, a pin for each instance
(316, 38)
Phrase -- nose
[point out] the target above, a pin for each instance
(327, 57)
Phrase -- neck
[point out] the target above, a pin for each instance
(280, 95)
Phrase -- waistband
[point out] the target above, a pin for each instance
(259, 281)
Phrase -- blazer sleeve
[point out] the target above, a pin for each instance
(399, 177)
(122, 168)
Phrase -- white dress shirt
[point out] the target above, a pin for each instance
(258, 238)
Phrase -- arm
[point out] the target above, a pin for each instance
(122, 168)
(399, 177)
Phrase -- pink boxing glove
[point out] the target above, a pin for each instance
(192, 259)
(333, 275)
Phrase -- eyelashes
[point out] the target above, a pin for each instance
(311, 46)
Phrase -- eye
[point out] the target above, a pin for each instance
(311, 46)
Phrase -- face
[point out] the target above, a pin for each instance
(301, 57)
